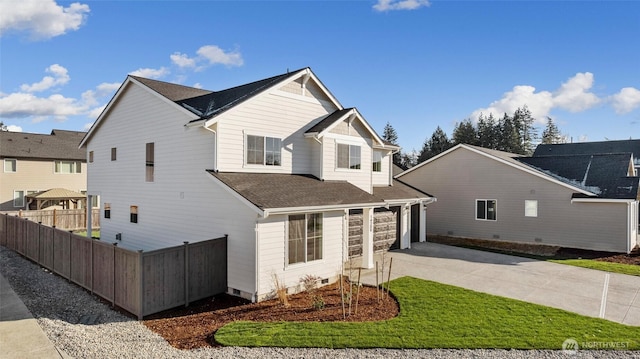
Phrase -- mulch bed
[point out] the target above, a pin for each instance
(539, 250)
(194, 326)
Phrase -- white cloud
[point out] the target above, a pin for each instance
(60, 77)
(388, 5)
(573, 95)
(42, 19)
(14, 128)
(150, 73)
(216, 55)
(182, 60)
(626, 100)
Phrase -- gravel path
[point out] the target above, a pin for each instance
(83, 327)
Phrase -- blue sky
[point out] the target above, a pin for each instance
(413, 63)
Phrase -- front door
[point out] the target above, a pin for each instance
(415, 223)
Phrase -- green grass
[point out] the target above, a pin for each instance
(621, 268)
(94, 234)
(434, 315)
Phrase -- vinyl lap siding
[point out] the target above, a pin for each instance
(273, 253)
(462, 176)
(360, 178)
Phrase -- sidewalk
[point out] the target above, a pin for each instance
(20, 334)
(612, 296)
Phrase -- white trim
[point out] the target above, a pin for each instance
(601, 200)
(521, 168)
(264, 164)
(325, 208)
(352, 114)
(14, 198)
(347, 169)
(532, 202)
(475, 209)
(288, 265)
(346, 139)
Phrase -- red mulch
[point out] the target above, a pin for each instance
(193, 327)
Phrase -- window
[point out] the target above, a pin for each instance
(107, 210)
(114, 152)
(531, 208)
(90, 156)
(348, 156)
(133, 214)
(10, 165)
(149, 162)
(305, 237)
(18, 198)
(263, 150)
(66, 167)
(486, 209)
(377, 161)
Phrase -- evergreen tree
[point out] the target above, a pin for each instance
(508, 139)
(438, 143)
(3, 127)
(488, 132)
(551, 133)
(390, 135)
(465, 132)
(524, 124)
(408, 160)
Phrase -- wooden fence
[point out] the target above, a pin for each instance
(141, 283)
(69, 219)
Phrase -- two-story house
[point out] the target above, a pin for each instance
(37, 162)
(278, 165)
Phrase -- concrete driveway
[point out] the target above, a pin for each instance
(589, 292)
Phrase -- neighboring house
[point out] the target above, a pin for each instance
(578, 201)
(277, 165)
(38, 162)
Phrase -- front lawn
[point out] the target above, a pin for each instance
(434, 315)
(622, 268)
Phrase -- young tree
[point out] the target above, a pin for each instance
(551, 133)
(3, 127)
(465, 132)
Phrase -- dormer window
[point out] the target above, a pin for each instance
(349, 156)
(262, 150)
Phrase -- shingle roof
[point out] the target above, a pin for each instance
(399, 191)
(57, 193)
(590, 148)
(207, 104)
(603, 174)
(274, 190)
(59, 145)
(328, 121)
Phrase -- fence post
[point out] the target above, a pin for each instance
(70, 255)
(39, 238)
(91, 264)
(186, 274)
(141, 284)
(113, 289)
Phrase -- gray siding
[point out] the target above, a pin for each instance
(462, 176)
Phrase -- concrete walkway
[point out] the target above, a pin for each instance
(589, 292)
(20, 334)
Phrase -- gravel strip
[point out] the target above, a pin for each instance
(82, 326)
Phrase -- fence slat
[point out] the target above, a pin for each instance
(69, 219)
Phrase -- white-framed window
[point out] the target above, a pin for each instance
(67, 167)
(486, 209)
(90, 156)
(18, 198)
(107, 210)
(263, 150)
(133, 214)
(95, 199)
(10, 165)
(530, 208)
(348, 156)
(377, 161)
(305, 238)
(149, 161)
(114, 153)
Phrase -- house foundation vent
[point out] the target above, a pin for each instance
(538, 240)
(450, 233)
(496, 236)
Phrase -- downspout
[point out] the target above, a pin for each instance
(257, 261)
(215, 147)
(321, 157)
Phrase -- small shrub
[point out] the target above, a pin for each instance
(318, 302)
(309, 282)
(281, 291)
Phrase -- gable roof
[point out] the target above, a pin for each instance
(58, 145)
(56, 193)
(333, 119)
(400, 191)
(509, 159)
(604, 174)
(205, 104)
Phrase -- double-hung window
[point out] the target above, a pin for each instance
(18, 199)
(262, 150)
(149, 161)
(377, 161)
(486, 209)
(348, 156)
(305, 238)
(10, 165)
(67, 167)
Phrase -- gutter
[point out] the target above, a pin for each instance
(326, 208)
